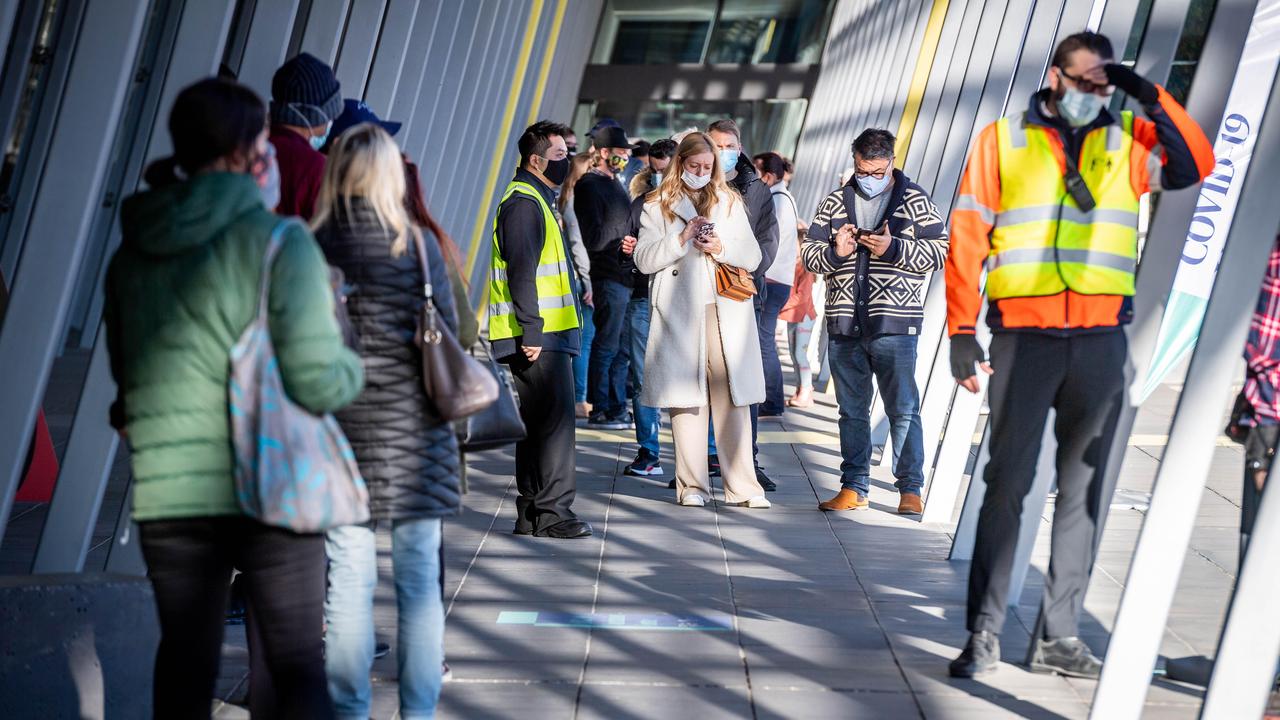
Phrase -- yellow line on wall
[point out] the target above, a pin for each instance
(547, 57)
(920, 78)
(504, 132)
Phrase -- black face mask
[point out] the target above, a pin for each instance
(556, 171)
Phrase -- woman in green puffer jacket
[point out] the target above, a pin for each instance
(180, 291)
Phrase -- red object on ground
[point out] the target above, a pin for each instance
(37, 483)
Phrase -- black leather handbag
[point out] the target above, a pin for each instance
(499, 424)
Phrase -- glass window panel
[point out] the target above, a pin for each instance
(769, 31)
(634, 32)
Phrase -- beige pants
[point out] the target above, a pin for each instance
(733, 433)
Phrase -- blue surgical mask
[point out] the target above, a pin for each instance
(872, 187)
(657, 179)
(1080, 108)
(318, 141)
(729, 159)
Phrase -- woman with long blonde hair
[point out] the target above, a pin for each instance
(408, 456)
(703, 355)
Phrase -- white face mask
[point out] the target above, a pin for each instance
(695, 182)
(1080, 108)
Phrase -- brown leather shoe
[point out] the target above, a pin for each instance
(910, 504)
(846, 499)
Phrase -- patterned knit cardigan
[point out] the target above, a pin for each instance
(869, 296)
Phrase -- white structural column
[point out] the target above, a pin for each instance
(389, 60)
(358, 43)
(322, 33)
(267, 43)
(202, 35)
(1246, 661)
(77, 163)
(91, 448)
(1157, 562)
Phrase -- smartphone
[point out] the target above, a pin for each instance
(706, 229)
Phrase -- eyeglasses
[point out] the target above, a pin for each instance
(877, 175)
(1085, 86)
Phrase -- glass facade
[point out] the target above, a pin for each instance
(714, 35)
(666, 32)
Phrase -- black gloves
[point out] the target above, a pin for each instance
(1136, 86)
(966, 353)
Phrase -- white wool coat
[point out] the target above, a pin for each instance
(679, 291)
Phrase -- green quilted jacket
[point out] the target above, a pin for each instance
(180, 290)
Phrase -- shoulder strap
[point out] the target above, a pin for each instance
(273, 248)
(424, 263)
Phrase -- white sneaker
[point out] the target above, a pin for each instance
(759, 502)
(694, 500)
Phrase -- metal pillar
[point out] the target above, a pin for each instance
(202, 35)
(86, 464)
(1157, 562)
(359, 40)
(389, 62)
(77, 164)
(322, 33)
(267, 43)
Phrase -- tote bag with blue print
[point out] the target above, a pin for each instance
(293, 469)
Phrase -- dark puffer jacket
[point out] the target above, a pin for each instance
(408, 456)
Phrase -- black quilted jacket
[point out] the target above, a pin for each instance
(408, 456)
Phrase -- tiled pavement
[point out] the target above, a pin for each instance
(847, 615)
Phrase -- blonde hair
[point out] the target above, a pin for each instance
(364, 162)
(673, 189)
(579, 165)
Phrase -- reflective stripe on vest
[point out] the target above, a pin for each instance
(1043, 243)
(556, 305)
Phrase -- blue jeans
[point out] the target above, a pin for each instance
(348, 611)
(607, 371)
(774, 299)
(584, 354)
(892, 360)
(647, 418)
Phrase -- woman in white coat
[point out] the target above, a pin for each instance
(703, 357)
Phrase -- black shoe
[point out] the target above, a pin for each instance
(624, 420)
(980, 656)
(599, 420)
(522, 530)
(566, 530)
(1065, 656)
(645, 465)
(713, 465)
(380, 650)
(671, 485)
(765, 482)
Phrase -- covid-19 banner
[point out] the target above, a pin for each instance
(1233, 148)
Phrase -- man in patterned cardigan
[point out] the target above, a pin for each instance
(876, 240)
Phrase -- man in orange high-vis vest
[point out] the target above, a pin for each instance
(1048, 207)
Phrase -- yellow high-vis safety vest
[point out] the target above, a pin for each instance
(556, 304)
(1043, 243)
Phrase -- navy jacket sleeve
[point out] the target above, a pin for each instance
(520, 236)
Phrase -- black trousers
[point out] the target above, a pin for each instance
(1082, 378)
(189, 564)
(545, 458)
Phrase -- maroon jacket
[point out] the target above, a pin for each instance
(301, 172)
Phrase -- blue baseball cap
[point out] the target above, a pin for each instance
(353, 113)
